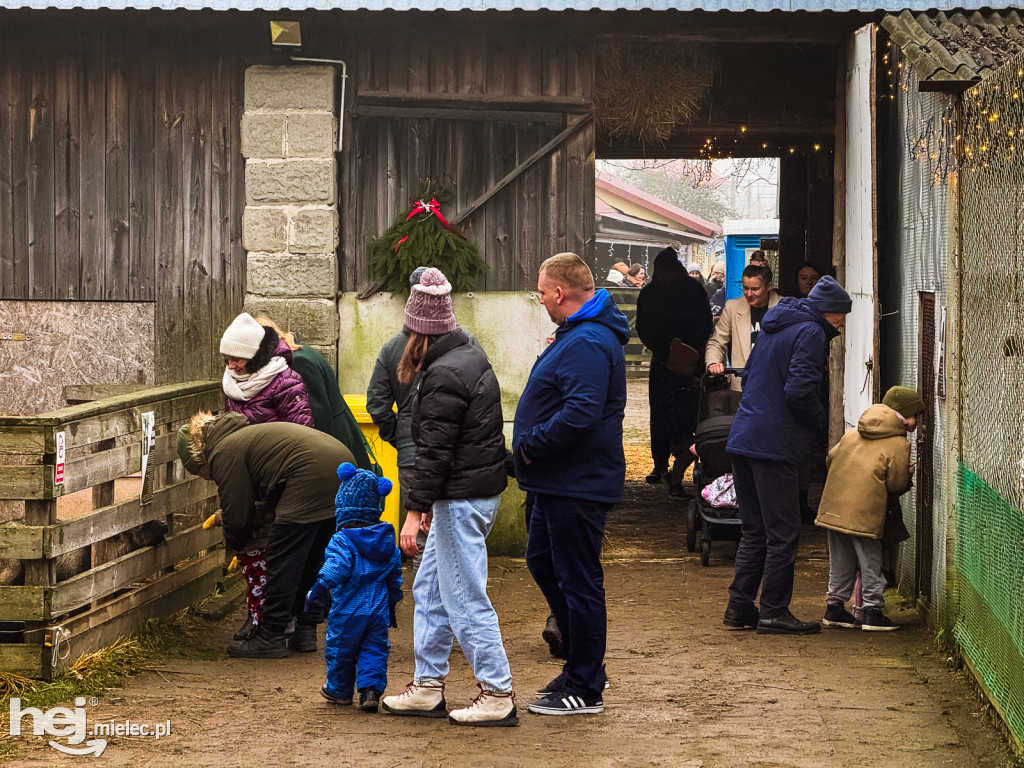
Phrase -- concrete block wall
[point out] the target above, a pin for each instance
(290, 222)
(367, 324)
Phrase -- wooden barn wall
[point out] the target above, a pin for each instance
(547, 209)
(121, 175)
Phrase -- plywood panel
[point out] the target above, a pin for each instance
(67, 205)
(71, 343)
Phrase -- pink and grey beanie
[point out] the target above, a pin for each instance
(429, 308)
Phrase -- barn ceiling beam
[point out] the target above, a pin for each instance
(471, 101)
(729, 139)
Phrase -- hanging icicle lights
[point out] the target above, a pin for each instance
(993, 119)
(714, 148)
(929, 118)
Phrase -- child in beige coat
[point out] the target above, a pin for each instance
(866, 465)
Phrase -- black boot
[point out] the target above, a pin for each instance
(304, 639)
(369, 699)
(553, 637)
(245, 631)
(262, 645)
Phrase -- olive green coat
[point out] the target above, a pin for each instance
(287, 467)
(866, 465)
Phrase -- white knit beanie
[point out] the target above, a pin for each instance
(242, 338)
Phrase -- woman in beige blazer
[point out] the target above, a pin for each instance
(730, 344)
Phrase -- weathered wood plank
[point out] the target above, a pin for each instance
(24, 603)
(67, 205)
(25, 659)
(469, 102)
(40, 180)
(25, 482)
(108, 578)
(196, 318)
(140, 398)
(7, 74)
(117, 283)
(219, 210)
(142, 174)
(76, 394)
(85, 432)
(23, 542)
(442, 62)
(92, 119)
(20, 122)
(170, 341)
(398, 70)
(480, 115)
(70, 535)
(22, 440)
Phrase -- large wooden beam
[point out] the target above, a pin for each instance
(729, 140)
(471, 101)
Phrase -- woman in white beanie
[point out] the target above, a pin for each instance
(454, 489)
(260, 384)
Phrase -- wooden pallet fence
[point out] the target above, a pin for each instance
(102, 443)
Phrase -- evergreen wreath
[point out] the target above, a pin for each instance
(424, 238)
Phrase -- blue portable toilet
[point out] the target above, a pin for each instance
(743, 237)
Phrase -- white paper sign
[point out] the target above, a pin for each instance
(58, 475)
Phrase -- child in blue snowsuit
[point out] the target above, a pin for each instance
(361, 580)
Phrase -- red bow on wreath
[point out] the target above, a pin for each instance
(432, 208)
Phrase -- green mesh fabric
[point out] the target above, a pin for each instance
(989, 623)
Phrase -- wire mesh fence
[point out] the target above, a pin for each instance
(990, 481)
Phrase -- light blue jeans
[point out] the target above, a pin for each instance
(450, 591)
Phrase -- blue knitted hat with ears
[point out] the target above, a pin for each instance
(359, 495)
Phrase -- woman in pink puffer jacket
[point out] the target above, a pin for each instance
(260, 384)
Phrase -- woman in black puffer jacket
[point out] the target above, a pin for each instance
(454, 491)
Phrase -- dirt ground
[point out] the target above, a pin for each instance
(683, 692)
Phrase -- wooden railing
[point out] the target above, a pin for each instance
(102, 445)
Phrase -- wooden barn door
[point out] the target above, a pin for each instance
(502, 118)
(861, 379)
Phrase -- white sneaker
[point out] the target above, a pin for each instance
(422, 698)
(490, 708)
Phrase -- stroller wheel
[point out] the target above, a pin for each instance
(705, 551)
(692, 526)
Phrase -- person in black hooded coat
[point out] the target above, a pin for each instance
(672, 306)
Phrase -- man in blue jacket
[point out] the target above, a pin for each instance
(567, 444)
(778, 416)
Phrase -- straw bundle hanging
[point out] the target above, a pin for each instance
(647, 93)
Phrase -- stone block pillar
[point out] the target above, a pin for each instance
(290, 222)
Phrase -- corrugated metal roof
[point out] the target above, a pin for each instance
(500, 5)
(956, 48)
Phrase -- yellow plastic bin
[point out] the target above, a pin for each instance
(385, 454)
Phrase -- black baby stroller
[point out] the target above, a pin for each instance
(706, 523)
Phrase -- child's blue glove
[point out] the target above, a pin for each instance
(318, 599)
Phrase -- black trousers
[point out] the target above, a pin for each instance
(767, 492)
(295, 554)
(674, 400)
(564, 555)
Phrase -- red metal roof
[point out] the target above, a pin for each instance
(617, 186)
